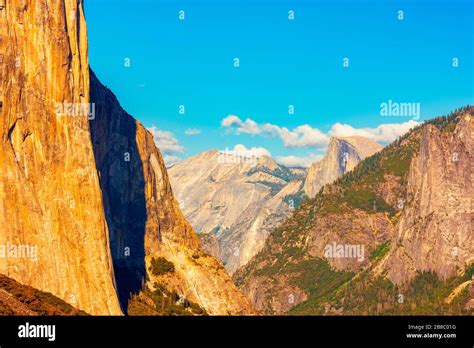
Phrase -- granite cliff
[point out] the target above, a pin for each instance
(342, 155)
(435, 231)
(83, 186)
(50, 198)
(234, 229)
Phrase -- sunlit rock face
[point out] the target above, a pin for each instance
(82, 182)
(50, 196)
(435, 232)
(234, 203)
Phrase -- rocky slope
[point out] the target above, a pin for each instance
(144, 218)
(90, 191)
(233, 204)
(400, 223)
(18, 299)
(50, 198)
(342, 155)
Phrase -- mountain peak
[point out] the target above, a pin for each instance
(342, 155)
(229, 200)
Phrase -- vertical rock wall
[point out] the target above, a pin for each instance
(50, 197)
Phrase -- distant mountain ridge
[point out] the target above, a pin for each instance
(233, 203)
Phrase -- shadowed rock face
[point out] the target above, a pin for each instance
(49, 189)
(342, 155)
(144, 218)
(123, 186)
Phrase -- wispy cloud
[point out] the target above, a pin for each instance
(166, 141)
(248, 126)
(171, 160)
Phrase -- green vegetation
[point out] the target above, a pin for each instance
(43, 303)
(161, 266)
(425, 295)
(296, 198)
(317, 278)
(448, 122)
(354, 198)
(364, 188)
(380, 251)
(162, 302)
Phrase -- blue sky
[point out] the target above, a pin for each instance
(283, 62)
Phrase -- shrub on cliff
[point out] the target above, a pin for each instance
(161, 266)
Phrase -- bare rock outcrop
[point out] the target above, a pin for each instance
(435, 232)
(235, 202)
(342, 155)
(409, 206)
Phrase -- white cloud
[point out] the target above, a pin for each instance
(295, 161)
(242, 150)
(166, 141)
(248, 126)
(383, 134)
(307, 136)
(192, 131)
(301, 136)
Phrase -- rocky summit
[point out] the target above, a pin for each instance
(342, 155)
(234, 202)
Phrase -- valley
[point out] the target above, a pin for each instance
(105, 214)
